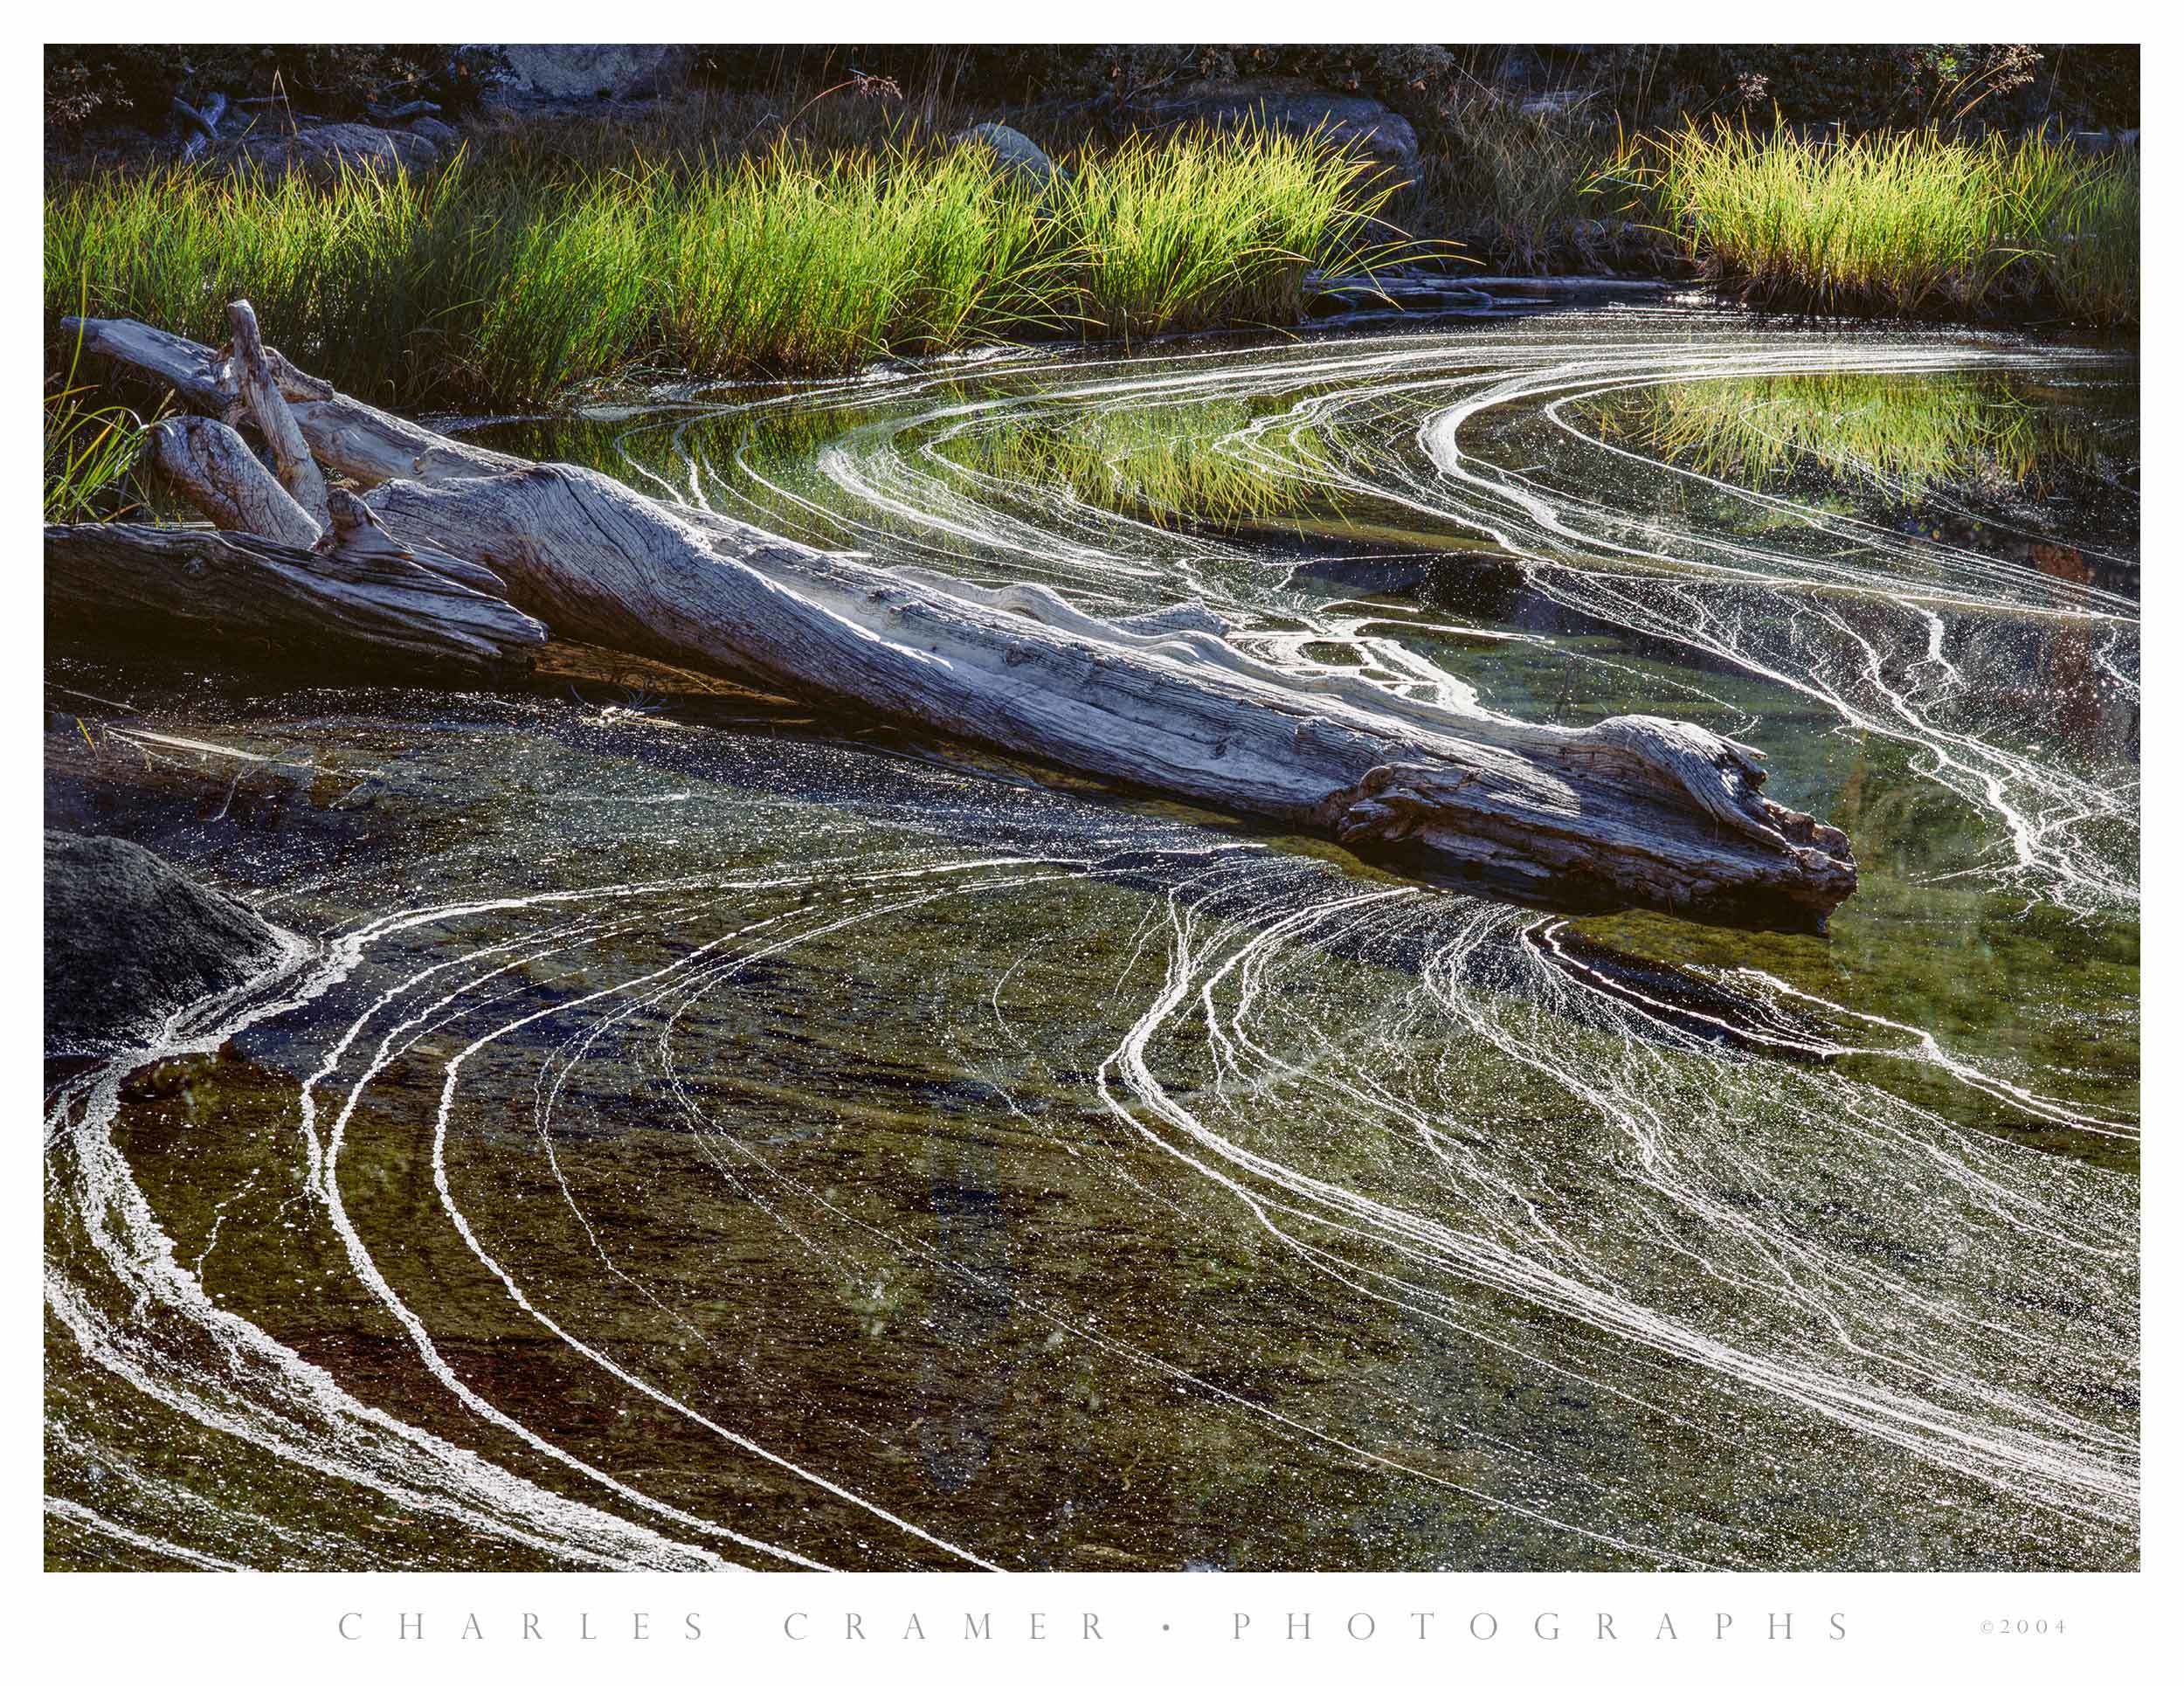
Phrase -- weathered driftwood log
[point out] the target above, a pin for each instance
(264, 600)
(261, 395)
(1406, 285)
(204, 125)
(210, 465)
(329, 586)
(347, 437)
(1634, 810)
(1562, 286)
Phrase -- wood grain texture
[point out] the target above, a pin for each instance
(1635, 810)
(209, 464)
(261, 395)
(254, 601)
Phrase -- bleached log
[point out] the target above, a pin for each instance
(346, 436)
(211, 465)
(194, 591)
(1399, 286)
(1633, 811)
(358, 533)
(261, 395)
(1558, 287)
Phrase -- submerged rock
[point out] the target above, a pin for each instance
(128, 940)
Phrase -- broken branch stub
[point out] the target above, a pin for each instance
(261, 393)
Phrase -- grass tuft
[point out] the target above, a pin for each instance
(509, 279)
(90, 449)
(1910, 223)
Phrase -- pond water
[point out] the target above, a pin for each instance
(697, 1133)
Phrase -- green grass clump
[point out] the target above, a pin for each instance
(1207, 228)
(355, 276)
(506, 280)
(90, 449)
(1908, 224)
(796, 264)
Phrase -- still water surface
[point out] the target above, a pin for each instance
(698, 1133)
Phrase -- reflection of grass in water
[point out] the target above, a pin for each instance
(1906, 437)
(1164, 463)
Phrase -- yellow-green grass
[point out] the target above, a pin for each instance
(1909, 223)
(494, 282)
(90, 449)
